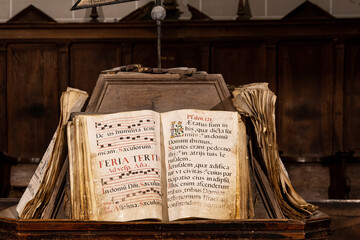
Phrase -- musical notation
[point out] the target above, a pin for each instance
(124, 141)
(136, 194)
(125, 132)
(130, 173)
(123, 123)
(133, 186)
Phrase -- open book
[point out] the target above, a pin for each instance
(166, 166)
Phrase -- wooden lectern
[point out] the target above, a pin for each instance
(125, 91)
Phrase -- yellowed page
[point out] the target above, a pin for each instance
(80, 175)
(88, 176)
(126, 165)
(72, 168)
(245, 208)
(201, 162)
(165, 213)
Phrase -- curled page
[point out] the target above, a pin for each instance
(258, 102)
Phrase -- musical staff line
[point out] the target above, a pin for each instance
(128, 145)
(112, 174)
(138, 195)
(128, 182)
(118, 194)
(127, 127)
(128, 137)
(138, 200)
(129, 174)
(126, 122)
(133, 192)
(134, 118)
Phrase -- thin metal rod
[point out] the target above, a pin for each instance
(158, 24)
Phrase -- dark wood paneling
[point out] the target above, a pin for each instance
(63, 66)
(87, 60)
(33, 97)
(271, 61)
(3, 100)
(307, 76)
(172, 55)
(352, 83)
(338, 98)
(239, 62)
(305, 97)
(145, 54)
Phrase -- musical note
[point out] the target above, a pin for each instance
(128, 174)
(138, 172)
(140, 192)
(135, 124)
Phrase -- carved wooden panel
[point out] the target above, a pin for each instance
(87, 60)
(352, 101)
(158, 92)
(239, 62)
(172, 55)
(33, 97)
(305, 97)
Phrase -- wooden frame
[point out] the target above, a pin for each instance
(315, 228)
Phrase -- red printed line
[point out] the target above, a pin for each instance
(145, 141)
(107, 129)
(135, 143)
(140, 199)
(111, 174)
(126, 144)
(146, 199)
(121, 182)
(140, 117)
(127, 182)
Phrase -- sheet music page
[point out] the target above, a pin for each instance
(201, 163)
(126, 165)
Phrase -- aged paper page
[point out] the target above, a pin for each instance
(201, 162)
(72, 170)
(126, 165)
(37, 178)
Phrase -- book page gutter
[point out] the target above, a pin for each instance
(125, 158)
(200, 154)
